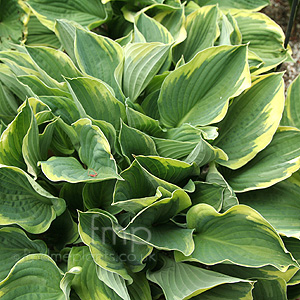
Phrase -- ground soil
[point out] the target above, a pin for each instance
(279, 11)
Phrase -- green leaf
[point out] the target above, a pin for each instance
(270, 290)
(273, 164)
(134, 142)
(267, 272)
(173, 149)
(96, 99)
(26, 203)
(143, 122)
(279, 205)
(39, 35)
(173, 19)
(11, 26)
(95, 229)
(152, 30)
(235, 291)
(9, 79)
(66, 282)
(15, 245)
(204, 153)
(72, 194)
(142, 63)
(183, 281)
(208, 193)
(242, 4)
(195, 93)
(62, 107)
(12, 138)
(99, 57)
(114, 281)
(8, 104)
(63, 231)
(171, 170)
(39, 88)
(94, 152)
(251, 121)
(31, 147)
(28, 277)
(87, 284)
(140, 188)
(90, 13)
(267, 42)
(215, 243)
(291, 111)
(100, 195)
(65, 30)
(54, 62)
(202, 31)
(140, 288)
(152, 225)
(229, 197)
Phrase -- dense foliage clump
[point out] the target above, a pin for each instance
(147, 152)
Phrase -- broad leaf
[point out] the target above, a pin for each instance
(242, 4)
(35, 274)
(26, 203)
(96, 99)
(182, 281)
(152, 30)
(292, 110)
(12, 138)
(198, 92)
(142, 63)
(8, 104)
(208, 193)
(279, 204)
(273, 164)
(99, 57)
(100, 195)
(87, 284)
(221, 237)
(267, 42)
(241, 135)
(140, 188)
(152, 225)
(229, 198)
(39, 35)
(202, 31)
(135, 142)
(11, 26)
(235, 291)
(90, 13)
(270, 290)
(14, 246)
(94, 152)
(114, 281)
(54, 62)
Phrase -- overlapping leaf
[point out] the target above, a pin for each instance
(198, 92)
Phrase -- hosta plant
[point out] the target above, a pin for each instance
(156, 160)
